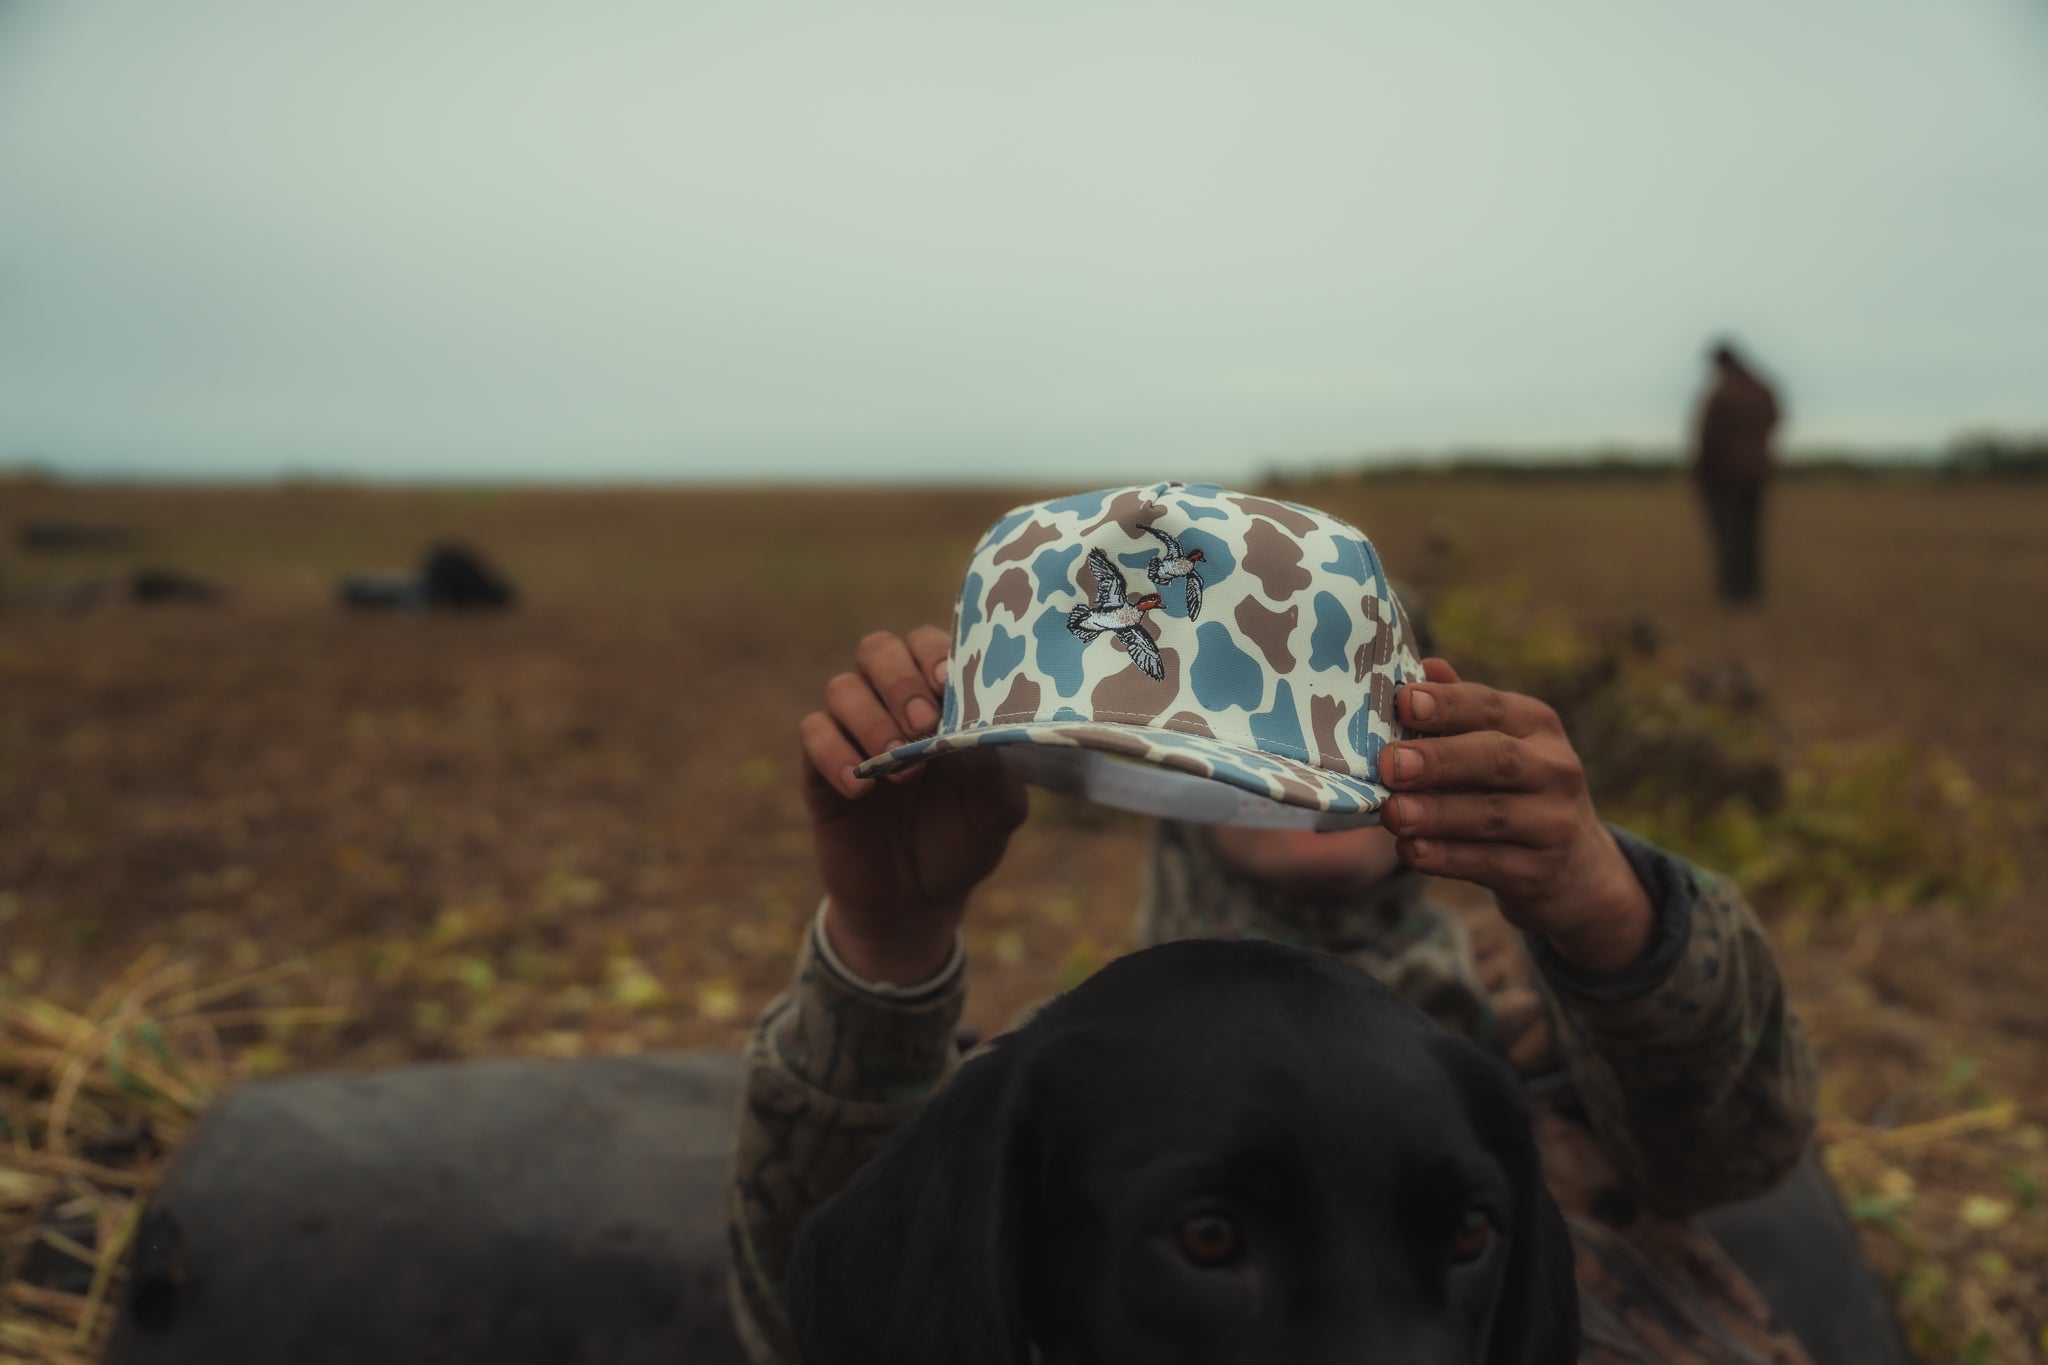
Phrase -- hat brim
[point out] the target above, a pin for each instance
(1161, 772)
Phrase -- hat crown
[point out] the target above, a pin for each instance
(1265, 628)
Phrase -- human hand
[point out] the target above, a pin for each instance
(1499, 798)
(900, 855)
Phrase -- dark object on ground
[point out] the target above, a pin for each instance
(460, 578)
(153, 587)
(1341, 1179)
(1798, 1246)
(383, 592)
(491, 1213)
(452, 577)
(59, 537)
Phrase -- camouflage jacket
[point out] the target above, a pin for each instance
(1685, 1083)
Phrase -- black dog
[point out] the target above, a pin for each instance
(1210, 1151)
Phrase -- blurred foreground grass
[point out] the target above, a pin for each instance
(92, 1102)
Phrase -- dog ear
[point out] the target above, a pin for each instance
(1536, 1321)
(919, 1259)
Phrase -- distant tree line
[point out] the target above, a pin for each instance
(1991, 456)
(1970, 457)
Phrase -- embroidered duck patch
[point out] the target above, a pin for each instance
(1176, 563)
(1117, 613)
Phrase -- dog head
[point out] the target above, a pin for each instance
(1209, 1152)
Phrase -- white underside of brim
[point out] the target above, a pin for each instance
(1166, 793)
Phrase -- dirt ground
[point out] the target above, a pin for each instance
(575, 827)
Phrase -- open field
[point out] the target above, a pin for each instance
(575, 826)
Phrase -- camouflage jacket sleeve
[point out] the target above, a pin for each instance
(1695, 1074)
(833, 1067)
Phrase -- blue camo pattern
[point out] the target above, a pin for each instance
(1246, 639)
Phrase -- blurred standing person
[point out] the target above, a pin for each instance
(1732, 461)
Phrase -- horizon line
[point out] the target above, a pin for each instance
(1615, 453)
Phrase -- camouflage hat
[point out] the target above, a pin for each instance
(1180, 650)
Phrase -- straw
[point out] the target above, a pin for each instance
(142, 1058)
(1999, 1115)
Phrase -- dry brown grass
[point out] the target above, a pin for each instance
(574, 827)
(92, 1100)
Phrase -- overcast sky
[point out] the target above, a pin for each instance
(1050, 241)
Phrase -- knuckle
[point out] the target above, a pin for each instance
(1562, 767)
(1494, 816)
(1493, 708)
(1507, 758)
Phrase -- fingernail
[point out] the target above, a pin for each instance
(1402, 810)
(944, 671)
(1420, 849)
(849, 782)
(1420, 704)
(1406, 764)
(923, 715)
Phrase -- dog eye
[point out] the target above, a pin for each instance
(1208, 1239)
(1474, 1234)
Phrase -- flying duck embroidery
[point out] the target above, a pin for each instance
(1118, 613)
(1176, 563)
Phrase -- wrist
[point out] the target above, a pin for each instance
(1614, 922)
(902, 955)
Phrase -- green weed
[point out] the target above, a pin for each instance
(1688, 754)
